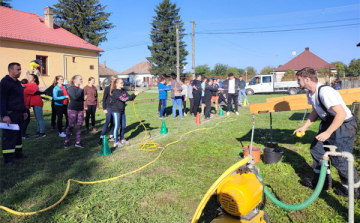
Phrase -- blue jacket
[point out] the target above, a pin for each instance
(163, 90)
(58, 95)
(12, 96)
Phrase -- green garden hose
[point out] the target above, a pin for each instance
(310, 200)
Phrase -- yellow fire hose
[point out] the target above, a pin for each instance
(148, 145)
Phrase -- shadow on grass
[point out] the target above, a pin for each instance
(298, 116)
(137, 128)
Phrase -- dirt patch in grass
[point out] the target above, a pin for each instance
(298, 215)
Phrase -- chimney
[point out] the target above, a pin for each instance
(306, 48)
(49, 17)
(104, 63)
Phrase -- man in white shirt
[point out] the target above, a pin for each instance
(338, 127)
(233, 86)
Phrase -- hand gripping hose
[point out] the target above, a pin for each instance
(310, 200)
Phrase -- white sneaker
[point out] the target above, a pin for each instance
(237, 113)
(62, 135)
(227, 113)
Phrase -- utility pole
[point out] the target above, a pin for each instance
(177, 55)
(193, 48)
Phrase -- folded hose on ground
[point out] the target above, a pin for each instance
(307, 202)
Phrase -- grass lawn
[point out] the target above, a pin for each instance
(170, 189)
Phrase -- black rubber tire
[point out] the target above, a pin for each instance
(249, 91)
(293, 91)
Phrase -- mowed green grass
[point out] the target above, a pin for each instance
(170, 189)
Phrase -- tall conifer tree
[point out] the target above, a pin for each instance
(5, 3)
(84, 18)
(163, 37)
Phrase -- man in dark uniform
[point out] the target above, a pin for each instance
(338, 127)
(13, 111)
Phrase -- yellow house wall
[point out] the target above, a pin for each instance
(58, 58)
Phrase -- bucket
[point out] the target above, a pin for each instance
(272, 155)
(256, 151)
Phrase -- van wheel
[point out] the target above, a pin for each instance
(249, 91)
(292, 91)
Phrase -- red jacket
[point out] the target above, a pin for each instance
(32, 99)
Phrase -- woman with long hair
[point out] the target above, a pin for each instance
(107, 107)
(120, 96)
(75, 110)
(91, 104)
(61, 100)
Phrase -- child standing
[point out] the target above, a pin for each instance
(209, 89)
(184, 93)
(119, 97)
(75, 110)
(91, 103)
(163, 93)
(61, 99)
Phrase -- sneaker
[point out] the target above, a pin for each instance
(117, 144)
(161, 117)
(111, 139)
(207, 118)
(100, 141)
(227, 113)
(66, 144)
(237, 113)
(26, 137)
(79, 145)
(62, 135)
(311, 183)
(185, 114)
(124, 141)
(41, 135)
(343, 191)
(94, 129)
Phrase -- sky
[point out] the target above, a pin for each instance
(248, 33)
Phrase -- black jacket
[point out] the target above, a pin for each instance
(209, 89)
(119, 98)
(107, 98)
(197, 84)
(237, 86)
(214, 93)
(76, 96)
(11, 96)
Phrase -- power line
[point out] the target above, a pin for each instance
(298, 24)
(282, 30)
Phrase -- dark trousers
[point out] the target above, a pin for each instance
(184, 103)
(25, 123)
(232, 98)
(343, 138)
(159, 107)
(207, 108)
(191, 104)
(197, 98)
(91, 110)
(53, 114)
(108, 120)
(11, 140)
(60, 112)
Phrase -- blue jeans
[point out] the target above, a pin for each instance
(177, 101)
(120, 121)
(242, 92)
(108, 120)
(163, 106)
(38, 111)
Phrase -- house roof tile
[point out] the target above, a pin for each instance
(305, 59)
(27, 26)
(140, 68)
(106, 71)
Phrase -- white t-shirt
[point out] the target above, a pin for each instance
(329, 97)
(232, 86)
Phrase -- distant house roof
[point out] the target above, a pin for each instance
(305, 59)
(140, 68)
(25, 26)
(106, 71)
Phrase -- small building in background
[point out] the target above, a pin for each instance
(305, 59)
(140, 74)
(25, 37)
(105, 74)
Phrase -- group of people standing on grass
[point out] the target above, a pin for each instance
(201, 91)
(18, 97)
